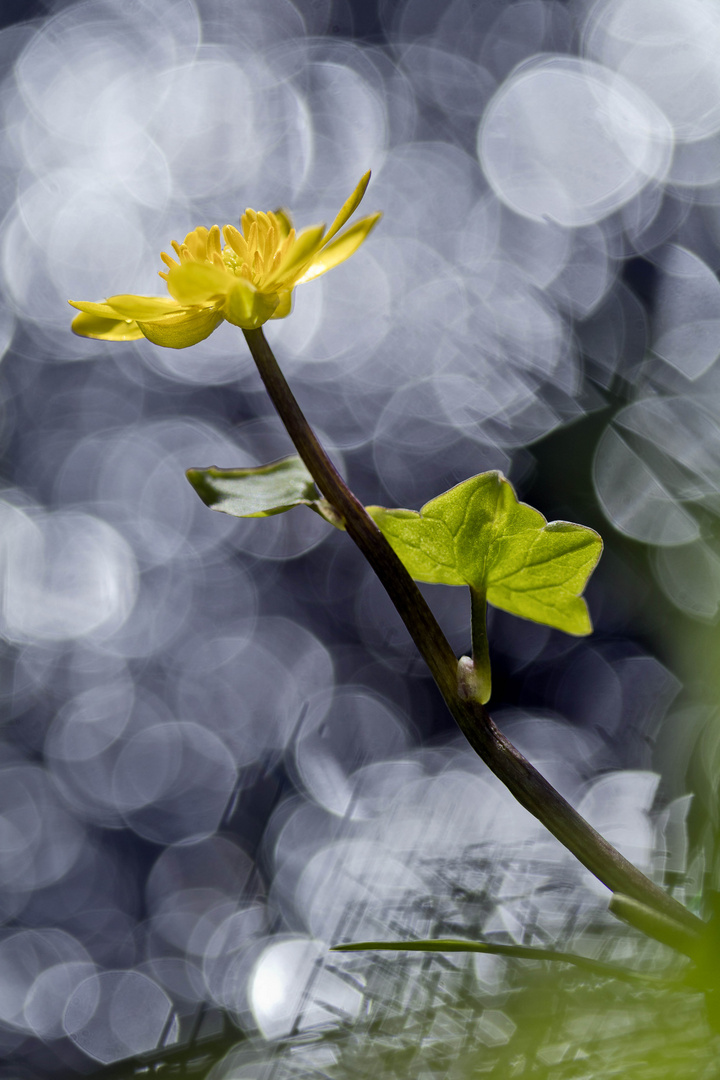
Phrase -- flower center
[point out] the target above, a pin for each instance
(254, 254)
(257, 251)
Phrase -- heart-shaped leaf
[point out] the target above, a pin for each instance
(478, 534)
(262, 491)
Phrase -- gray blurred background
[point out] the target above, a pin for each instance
(220, 751)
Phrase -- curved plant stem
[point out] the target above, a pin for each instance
(528, 786)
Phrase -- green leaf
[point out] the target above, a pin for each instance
(260, 492)
(478, 534)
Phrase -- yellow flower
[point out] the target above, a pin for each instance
(247, 281)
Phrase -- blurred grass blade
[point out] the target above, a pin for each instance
(655, 924)
(521, 952)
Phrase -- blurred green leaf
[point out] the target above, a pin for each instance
(478, 534)
(261, 492)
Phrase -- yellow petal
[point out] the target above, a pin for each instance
(270, 244)
(339, 249)
(282, 221)
(284, 306)
(349, 206)
(236, 240)
(247, 307)
(306, 244)
(214, 246)
(247, 219)
(197, 242)
(102, 310)
(183, 328)
(142, 307)
(96, 326)
(197, 283)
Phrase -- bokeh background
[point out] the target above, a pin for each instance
(220, 753)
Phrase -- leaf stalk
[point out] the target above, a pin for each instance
(480, 646)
